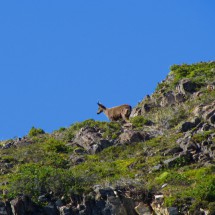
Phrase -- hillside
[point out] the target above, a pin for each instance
(162, 164)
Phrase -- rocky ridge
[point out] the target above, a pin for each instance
(161, 163)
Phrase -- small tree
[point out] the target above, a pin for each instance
(35, 131)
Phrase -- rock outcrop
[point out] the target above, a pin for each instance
(123, 169)
(91, 140)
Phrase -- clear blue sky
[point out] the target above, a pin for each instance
(58, 58)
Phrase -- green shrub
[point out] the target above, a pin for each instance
(199, 137)
(140, 121)
(173, 178)
(34, 180)
(35, 131)
(109, 129)
(57, 146)
(199, 185)
(199, 72)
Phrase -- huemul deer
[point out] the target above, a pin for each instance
(115, 113)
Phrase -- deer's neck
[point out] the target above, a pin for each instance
(106, 112)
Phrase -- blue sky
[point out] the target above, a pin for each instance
(58, 58)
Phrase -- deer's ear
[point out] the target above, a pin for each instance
(98, 103)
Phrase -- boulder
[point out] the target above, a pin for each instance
(65, 210)
(173, 151)
(131, 136)
(146, 108)
(168, 99)
(159, 208)
(135, 112)
(186, 86)
(187, 144)
(76, 159)
(91, 140)
(179, 98)
(51, 209)
(172, 98)
(212, 119)
(23, 206)
(143, 209)
(186, 126)
(3, 209)
(180, 160)
(114, 206)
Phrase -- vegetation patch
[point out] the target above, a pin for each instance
(35, 131)
(110, 130)
(139, 121)
(199, 72)
(35, 179)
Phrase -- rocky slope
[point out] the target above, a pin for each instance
(161, 163)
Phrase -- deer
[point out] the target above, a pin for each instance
(116, 113)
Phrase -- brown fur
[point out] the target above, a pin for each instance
(116, 113)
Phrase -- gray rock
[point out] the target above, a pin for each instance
(168, 99)
(114, 206)
(186, 126)
(186, 86)
(76, 159)
(179, 98)
(131, 136)
(104, 193)
(80, 151)
(65, 210)
(146, 108)
(172, 211)
(212, 119)
(181, 160)
(8, 145)
(135, 112)
(159, 208)
(173, 151)
(157, 167)
(51, 210)
(23, 206)
(43, 198)
(3, 209)
(59, 203)
(91, 140)
(188, 145)
(206, 127)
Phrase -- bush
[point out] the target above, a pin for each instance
(140, 121)
(200, 72)
(35, 131)
(109, 129)
(57, 146)
(199, 137)
(34, 180)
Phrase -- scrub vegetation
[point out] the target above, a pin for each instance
(43, 164)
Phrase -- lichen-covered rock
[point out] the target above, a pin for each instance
(3, 209)
(91, 140)
(65, 210)
(168, 99)
(180, 160)
(23, 206)
(130, 136)
(186, 126)
(186, 86)
(159, 208)
(135, 112)
(143, 209)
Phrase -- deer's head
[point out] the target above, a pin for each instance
(101, 108)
